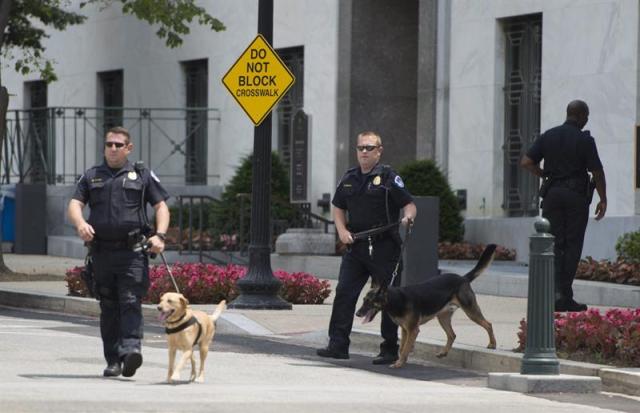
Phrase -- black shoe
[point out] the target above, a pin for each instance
(130, 364)
(112, 370)
(569, 304)
(331, 352)
(385, 358)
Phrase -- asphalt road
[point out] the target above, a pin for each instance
(53, 363)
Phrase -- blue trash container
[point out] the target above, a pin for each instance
(8, 213)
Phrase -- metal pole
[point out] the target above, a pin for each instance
(259, 287)
(540, 351)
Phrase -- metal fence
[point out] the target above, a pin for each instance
(55, 145)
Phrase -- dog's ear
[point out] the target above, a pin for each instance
(184, 300)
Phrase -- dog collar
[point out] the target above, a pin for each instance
(193, 320)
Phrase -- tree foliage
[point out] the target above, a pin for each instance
(29, 20)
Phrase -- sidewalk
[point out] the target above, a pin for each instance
(308, 324)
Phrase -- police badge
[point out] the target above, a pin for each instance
(132, 175)
(377, 180)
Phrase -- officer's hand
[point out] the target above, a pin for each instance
(345, 237)
(407, 221)
(85, 231)
(157, 244)
(601, 209)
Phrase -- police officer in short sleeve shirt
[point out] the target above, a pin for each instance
(568, 154)
(368, 196)
(117, 194)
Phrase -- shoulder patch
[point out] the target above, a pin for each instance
(398, 181)
(154, 176)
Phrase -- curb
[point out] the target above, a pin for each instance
(463, 356)
(237, 324)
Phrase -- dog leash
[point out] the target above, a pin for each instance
(371, 232)
(173, 280)
(406, 240)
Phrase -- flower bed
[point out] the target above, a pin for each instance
(208, 283)
(610, 338)
(468, 251)
(621, 271)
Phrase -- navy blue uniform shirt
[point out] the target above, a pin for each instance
(115, 198)
(567, 151)
(364, 196)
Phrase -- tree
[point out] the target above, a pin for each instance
(24, 25)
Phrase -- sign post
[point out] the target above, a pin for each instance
(256, 82)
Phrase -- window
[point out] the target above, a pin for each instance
(39, 150)
(293, 57)
(196, 87)
(522, 111)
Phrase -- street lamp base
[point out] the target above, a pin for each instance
(549, 366)
(260, 302)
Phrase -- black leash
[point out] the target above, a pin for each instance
(374, 231)
(406, 240)
(173, 280)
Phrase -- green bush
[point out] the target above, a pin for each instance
(628, 246)
(423, 178)
(224, 216)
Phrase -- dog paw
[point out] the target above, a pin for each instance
(396, 365)
(442, 354)
(175, 377)
(199, 380)
(492, 346)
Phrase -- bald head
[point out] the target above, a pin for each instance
(578, 111)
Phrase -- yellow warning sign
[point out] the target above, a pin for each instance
(258, 79)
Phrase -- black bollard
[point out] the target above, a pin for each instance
(540, 352)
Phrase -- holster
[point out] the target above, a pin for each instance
(591, 186)
(88, 277)
(544, 187)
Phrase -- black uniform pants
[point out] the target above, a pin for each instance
(122, 280)
(568, 212)
(355, 269)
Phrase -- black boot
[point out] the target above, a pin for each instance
(569, 304)
(332, 352)
(385, 357)
(113, 370)
(130, 364)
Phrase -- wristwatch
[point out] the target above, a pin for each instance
(162, 236)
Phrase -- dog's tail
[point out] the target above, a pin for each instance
(219, 309)
(483, 262)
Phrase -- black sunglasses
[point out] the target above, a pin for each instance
(367, 148)
(116, 144)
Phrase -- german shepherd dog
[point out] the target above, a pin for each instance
(440, 297)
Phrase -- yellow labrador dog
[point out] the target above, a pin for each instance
(185, 329)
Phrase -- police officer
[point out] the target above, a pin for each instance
(568, 154)
(367, 196)
(117, 194)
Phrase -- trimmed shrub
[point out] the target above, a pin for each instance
(628, 247)
(209, 283)
(224, 216)
(423, 178)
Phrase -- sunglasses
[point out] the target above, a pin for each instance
(367, 148)
(118, 145)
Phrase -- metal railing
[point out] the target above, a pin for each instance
(55, 145)
(194, 236)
